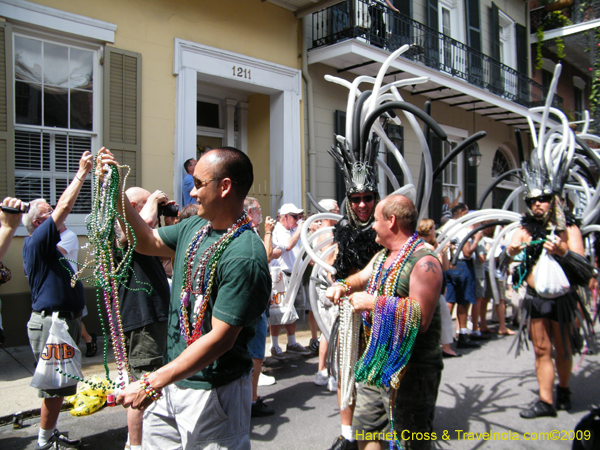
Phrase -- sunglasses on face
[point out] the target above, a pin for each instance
(295, 216)
(365, 199)
(542, 199)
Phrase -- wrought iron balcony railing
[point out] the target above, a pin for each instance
(384, 28)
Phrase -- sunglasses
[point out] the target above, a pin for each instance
(295, 216)
(542, 199)
(365, 199)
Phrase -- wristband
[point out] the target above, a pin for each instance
(147, 387)
(268, 232)
(78, 177)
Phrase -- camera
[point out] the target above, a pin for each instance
(9, 209)
(168, 210)
(454, 241)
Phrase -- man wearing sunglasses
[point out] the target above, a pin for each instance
(545, 216)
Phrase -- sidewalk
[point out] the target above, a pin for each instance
(17, 367)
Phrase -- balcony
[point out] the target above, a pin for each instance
(380, 27)
(575, 11)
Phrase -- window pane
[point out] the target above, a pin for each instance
(81, 110)
(29, 188)
(77, 145)
(28, 59)
(56, 65)
(28, 104)
(55, 108)
(83, 204)
(28, 151)
(82, 69)
(60, 153)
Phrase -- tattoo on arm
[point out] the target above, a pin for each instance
(428, 266)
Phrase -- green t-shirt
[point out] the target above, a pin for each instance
(240, 294)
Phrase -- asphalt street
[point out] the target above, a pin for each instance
(483, 391)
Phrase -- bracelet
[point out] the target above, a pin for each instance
(268, 232)
(150, 391)
(78, 178)
(343, 282)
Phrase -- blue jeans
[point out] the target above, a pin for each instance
(460, 283)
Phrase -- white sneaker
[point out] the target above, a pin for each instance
(321, 378)
(277, 353)
(332, 384)
(265, 380)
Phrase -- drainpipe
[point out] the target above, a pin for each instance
(312, 153)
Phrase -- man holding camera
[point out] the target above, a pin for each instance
(144, 304)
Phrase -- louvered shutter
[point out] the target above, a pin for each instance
(522, 56)
(496, 82)
(432, 55)
(470, 182)
(475, 68)
(122, 109)
(7, 181)
(435, 201)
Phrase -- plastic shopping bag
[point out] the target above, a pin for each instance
(280, 302)
(550, 279)
(60, 352)
(89, 399)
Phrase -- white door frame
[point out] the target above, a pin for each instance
(194, 61)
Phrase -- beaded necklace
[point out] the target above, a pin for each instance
(203, 276)
(392, 328)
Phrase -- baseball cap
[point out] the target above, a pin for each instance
(289, 208)
(328, 204)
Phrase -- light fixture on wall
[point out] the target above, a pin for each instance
(473, 155)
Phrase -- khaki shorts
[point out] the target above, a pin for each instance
(38, 330)
(146, 347)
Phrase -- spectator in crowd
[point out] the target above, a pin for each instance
(69, 247)
(447, 206)
(286, 236)
(188, 182)
(460, 281)
(9, 222)
(427, 232)
(51, 291)
(258, 342)
(144, 301)
(327, 310)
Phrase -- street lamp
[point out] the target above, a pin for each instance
(473, 155)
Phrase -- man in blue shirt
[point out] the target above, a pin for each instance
(188, 182)
(50, 283)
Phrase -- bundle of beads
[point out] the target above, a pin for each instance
(203, 277)
(101, 259)
(348, 351)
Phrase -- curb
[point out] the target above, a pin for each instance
(31, 414)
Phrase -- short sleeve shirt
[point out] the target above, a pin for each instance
(70, 244)
(240, 294)
(47, 273)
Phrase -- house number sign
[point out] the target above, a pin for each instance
(242, 72)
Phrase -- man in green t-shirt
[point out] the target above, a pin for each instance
(221, 286)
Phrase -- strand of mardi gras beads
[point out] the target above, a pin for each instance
(203, 276)
(106, 273)
(349, 332)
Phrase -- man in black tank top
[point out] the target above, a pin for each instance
(420, 279)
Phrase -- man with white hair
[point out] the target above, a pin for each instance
(286, 236)
(51, 292)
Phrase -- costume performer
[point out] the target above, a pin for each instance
(221, 286)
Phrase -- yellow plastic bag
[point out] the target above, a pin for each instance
(89, 399)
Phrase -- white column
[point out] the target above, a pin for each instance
(242, 117)
(286, 160)
(229, 138)
(186, 134)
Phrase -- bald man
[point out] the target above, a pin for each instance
(144, 306)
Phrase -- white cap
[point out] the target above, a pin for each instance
(328, 204)
(289, 208)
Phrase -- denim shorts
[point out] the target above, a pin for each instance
(258, 342)
(460, 283)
